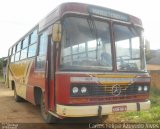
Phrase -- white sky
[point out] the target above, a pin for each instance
(17, 17)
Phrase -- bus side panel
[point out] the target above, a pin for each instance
(35, 79)
(30, 94)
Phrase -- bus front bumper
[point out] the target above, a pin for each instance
(99, 110)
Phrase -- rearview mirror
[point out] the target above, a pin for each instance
(56, 35)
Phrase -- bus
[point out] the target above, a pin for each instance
(81, 61)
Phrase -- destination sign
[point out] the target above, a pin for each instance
(106, 12)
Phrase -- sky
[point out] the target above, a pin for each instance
(17, 17)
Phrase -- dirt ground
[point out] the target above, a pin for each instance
(26, 115)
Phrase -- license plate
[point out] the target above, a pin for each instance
(119, 108)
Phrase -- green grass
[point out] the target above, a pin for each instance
(150, 116)
(1, 79)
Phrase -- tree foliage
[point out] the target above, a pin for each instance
(147, 50)
(1, 66)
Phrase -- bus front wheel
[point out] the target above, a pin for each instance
(48, 118)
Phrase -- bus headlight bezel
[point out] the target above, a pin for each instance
(75, 90)
(83, 90)
(140, 88)
(145, 88)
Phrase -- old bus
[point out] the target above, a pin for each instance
(81, 61)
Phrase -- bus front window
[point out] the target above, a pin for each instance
(129, 51)
(85, 45)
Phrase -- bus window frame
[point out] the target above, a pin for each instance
(128, 24)
(38, 50)
(111, 41)
(34, 43)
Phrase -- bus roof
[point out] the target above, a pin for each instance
(86, 9)
(82, 9)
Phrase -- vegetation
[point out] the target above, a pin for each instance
(1, 67)
(1, 79)
(150, 116)
(147, 50)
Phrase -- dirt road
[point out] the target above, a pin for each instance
(25, 115)
(11, 111)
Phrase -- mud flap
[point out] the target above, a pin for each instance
(99, 111)
(138, 107)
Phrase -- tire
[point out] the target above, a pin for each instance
(48, 118)
(17, 97)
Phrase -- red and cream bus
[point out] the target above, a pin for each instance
(81, 61)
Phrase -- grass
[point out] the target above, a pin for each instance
(1, 79)
(150, 116)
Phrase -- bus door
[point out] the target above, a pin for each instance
(50, 74)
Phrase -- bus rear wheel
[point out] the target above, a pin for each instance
(17, 97)
(48, 118)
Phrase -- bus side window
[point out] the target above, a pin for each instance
(42, 49)
(18, 47)
(32, 44)
(32, 50)
(24, 48)
(12, 58)
(33, 37)
(25, 42)
(13, 50)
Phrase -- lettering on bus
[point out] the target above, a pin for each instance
(105, 12)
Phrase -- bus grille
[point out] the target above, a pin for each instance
(102, 90)
(106, 90)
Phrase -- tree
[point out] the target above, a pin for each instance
(147, 50)
(1, 66)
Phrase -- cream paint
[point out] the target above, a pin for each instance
(101, 80)
(84, 111)
(20, 76)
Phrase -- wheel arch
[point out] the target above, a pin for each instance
(37, 95)
(13, 84)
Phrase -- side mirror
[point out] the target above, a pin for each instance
(56, 35)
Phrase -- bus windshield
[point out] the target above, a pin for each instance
(86, 45)
(130, 55)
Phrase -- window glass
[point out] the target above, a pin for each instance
(41, 62)
(10, 51)
(127, 41)
(85, 45)
(17, 56)
(18, 47)
(24, 54)
(43, 44)
(41, 59)
(33, 37)
(25, 42)
(12, 58)
(92, 45)
(13, 51)
(74, 49)
(32, 50)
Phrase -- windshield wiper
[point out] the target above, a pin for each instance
(134, 30)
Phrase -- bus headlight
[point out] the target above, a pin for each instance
(139, 88)
(145, 88)
(75, 90)
(83, 90)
